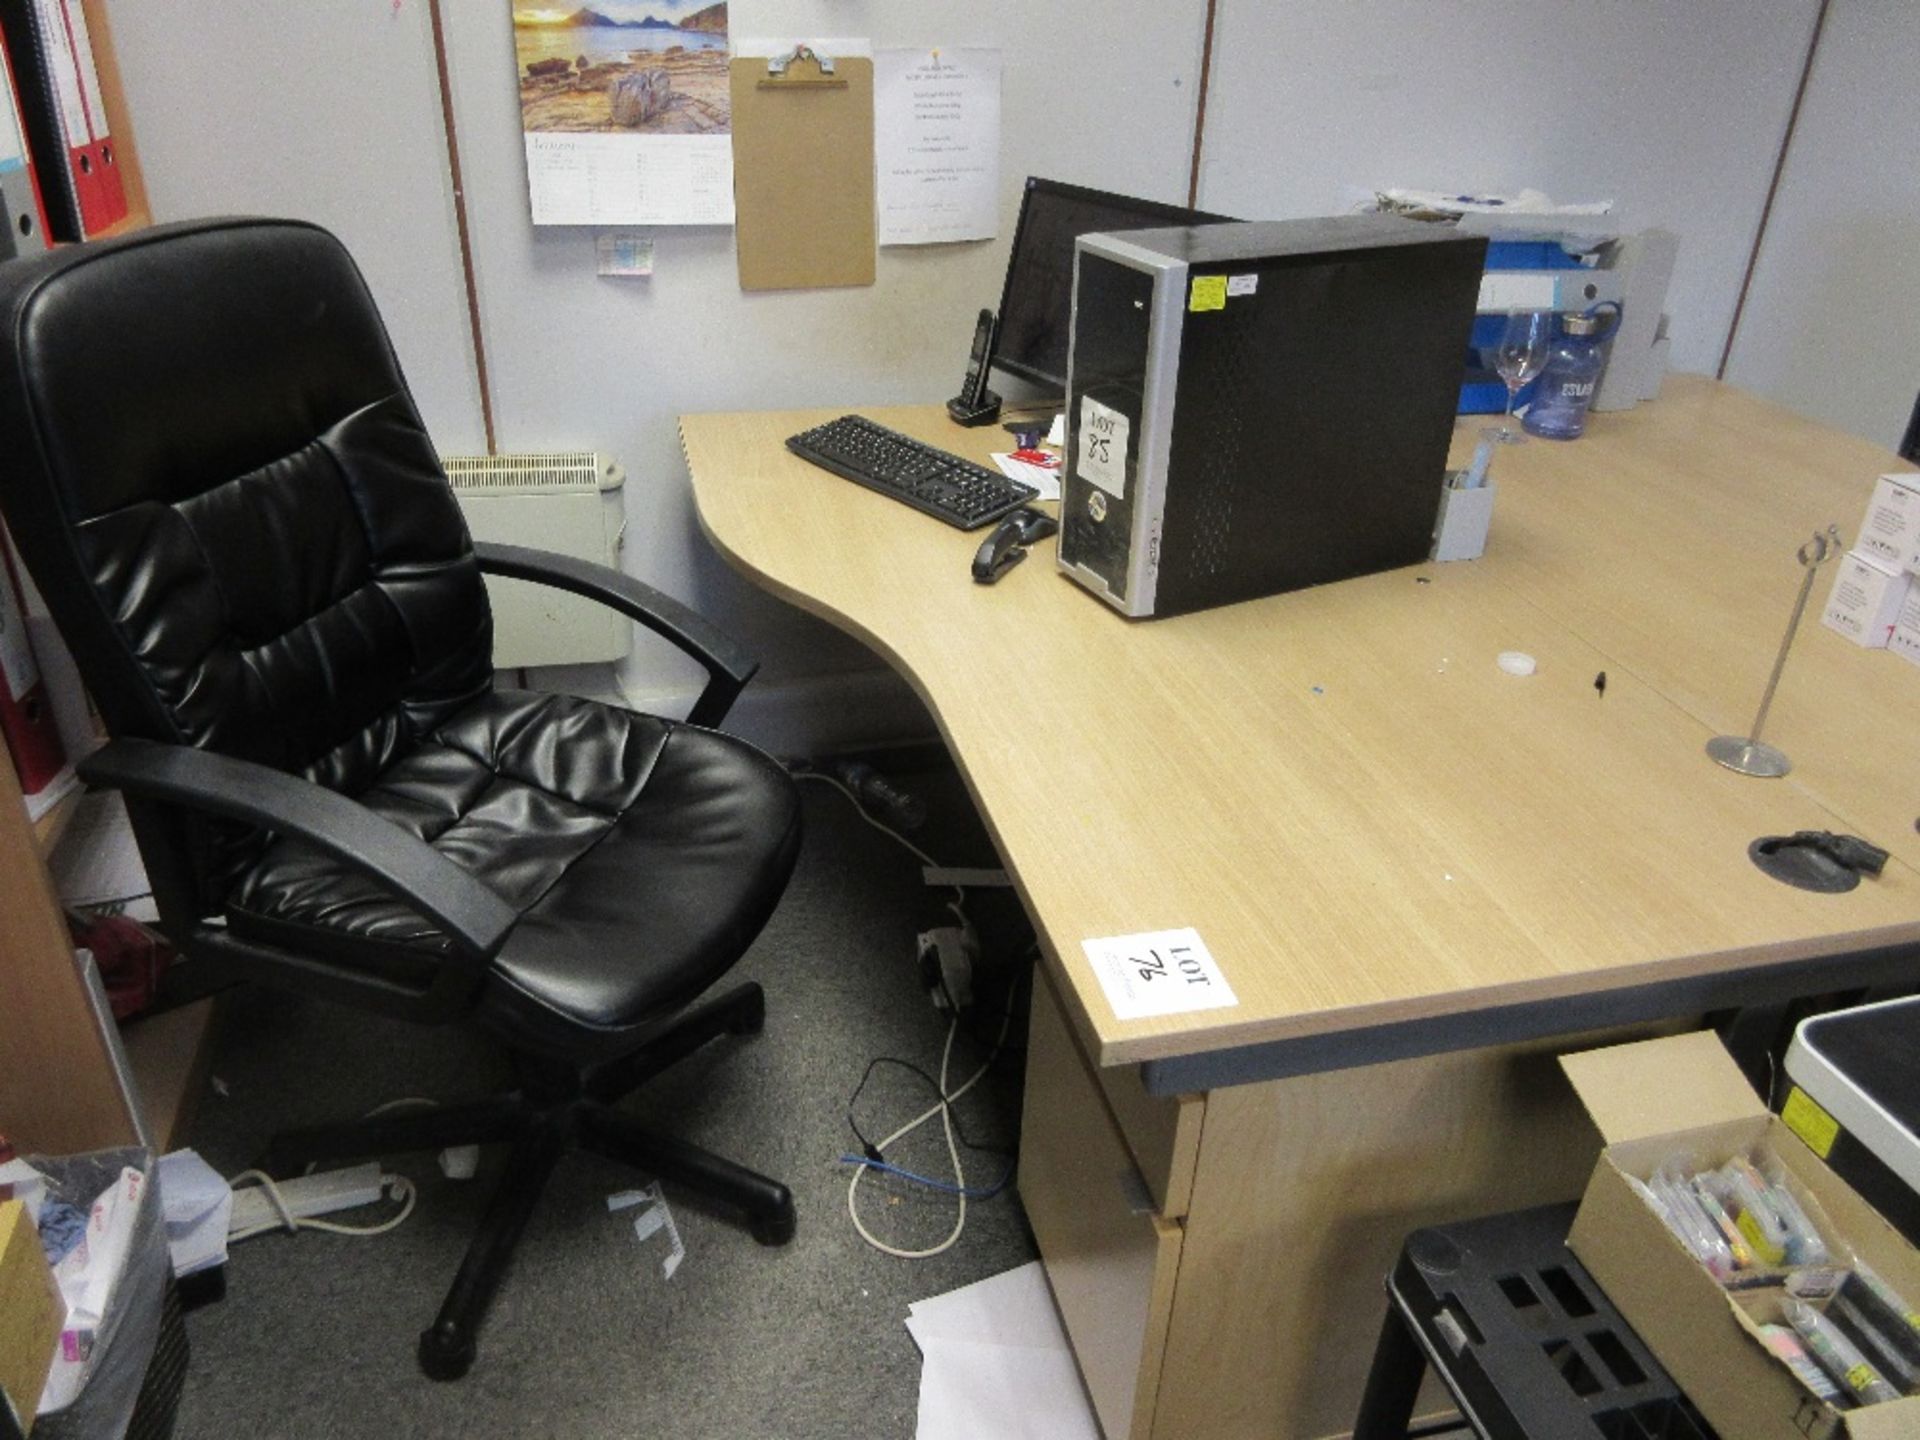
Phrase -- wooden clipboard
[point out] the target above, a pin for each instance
(803, 171)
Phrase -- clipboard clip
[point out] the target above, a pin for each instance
(778, 66)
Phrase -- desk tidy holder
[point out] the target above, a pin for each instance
(1460, 532)
(1751, 756)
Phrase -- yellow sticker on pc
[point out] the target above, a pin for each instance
(1209, 293)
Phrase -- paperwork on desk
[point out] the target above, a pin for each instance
(1432, 204)
(1160, 972)
(937, 144)
(1046, 481)
(996, 1364)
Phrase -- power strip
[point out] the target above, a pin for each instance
(946, 958)
(307, 1196)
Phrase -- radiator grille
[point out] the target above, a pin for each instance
(567, 503)
(560, 473)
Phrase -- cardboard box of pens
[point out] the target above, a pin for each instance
(1778, 1299)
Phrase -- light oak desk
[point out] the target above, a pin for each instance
(1422, 876)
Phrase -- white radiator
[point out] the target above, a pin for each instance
(569, 504)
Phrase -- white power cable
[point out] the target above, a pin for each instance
(959, 902)
(944, 1109)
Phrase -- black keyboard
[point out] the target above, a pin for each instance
(957, 491)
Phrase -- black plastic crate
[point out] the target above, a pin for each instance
(1524, 1340)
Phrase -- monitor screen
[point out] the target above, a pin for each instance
(1036, 304)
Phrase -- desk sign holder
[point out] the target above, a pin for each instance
(1466, 511)
(1751, 756)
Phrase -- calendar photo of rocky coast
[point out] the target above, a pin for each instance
(625, 67)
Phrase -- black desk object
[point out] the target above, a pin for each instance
(1524, 1340)
(963, 494)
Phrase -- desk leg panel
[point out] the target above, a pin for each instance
(1305, 1190)
(1112, 1265)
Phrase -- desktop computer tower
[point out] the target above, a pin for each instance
(1260, 407)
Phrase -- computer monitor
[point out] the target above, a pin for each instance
(1037, 300)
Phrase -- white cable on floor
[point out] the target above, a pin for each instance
(944, 1109)
(958, 904)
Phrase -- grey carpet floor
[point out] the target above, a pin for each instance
(315, 1337)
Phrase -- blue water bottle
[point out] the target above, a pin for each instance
(1560, 400)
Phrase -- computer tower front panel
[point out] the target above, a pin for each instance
(1120, 371)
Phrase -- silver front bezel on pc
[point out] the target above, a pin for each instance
(1155, 441)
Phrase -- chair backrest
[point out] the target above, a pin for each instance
(212, 467)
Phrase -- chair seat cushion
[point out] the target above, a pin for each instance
(643, 856)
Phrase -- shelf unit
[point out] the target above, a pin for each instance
(58, 1087)
(57, 1074)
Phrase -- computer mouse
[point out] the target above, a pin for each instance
(999, 552)
(1034, 524)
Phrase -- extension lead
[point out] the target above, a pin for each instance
(262, 1205)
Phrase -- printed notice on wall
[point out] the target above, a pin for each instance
(1162, 972)
(937, 144)
(626, 112)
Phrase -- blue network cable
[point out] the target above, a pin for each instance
(945, 1187)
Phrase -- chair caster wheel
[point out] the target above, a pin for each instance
(750, 1015)
(446, 1353)
(776, 1226)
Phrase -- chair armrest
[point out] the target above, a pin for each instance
(728, 667)
(259, 795)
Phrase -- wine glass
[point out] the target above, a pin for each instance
(1521, 356)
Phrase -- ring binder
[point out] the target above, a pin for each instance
(66, 123)
(23, 213)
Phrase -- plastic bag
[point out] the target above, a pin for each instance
(123, 1344)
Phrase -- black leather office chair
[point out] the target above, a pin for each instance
(216, 474)
(1910, 446)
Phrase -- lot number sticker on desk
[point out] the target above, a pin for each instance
(1163, 972)
(1103, 447)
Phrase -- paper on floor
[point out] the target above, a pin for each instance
(197, 1204)
(996, 1364)
(656, 1217)
(1014, 1308)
